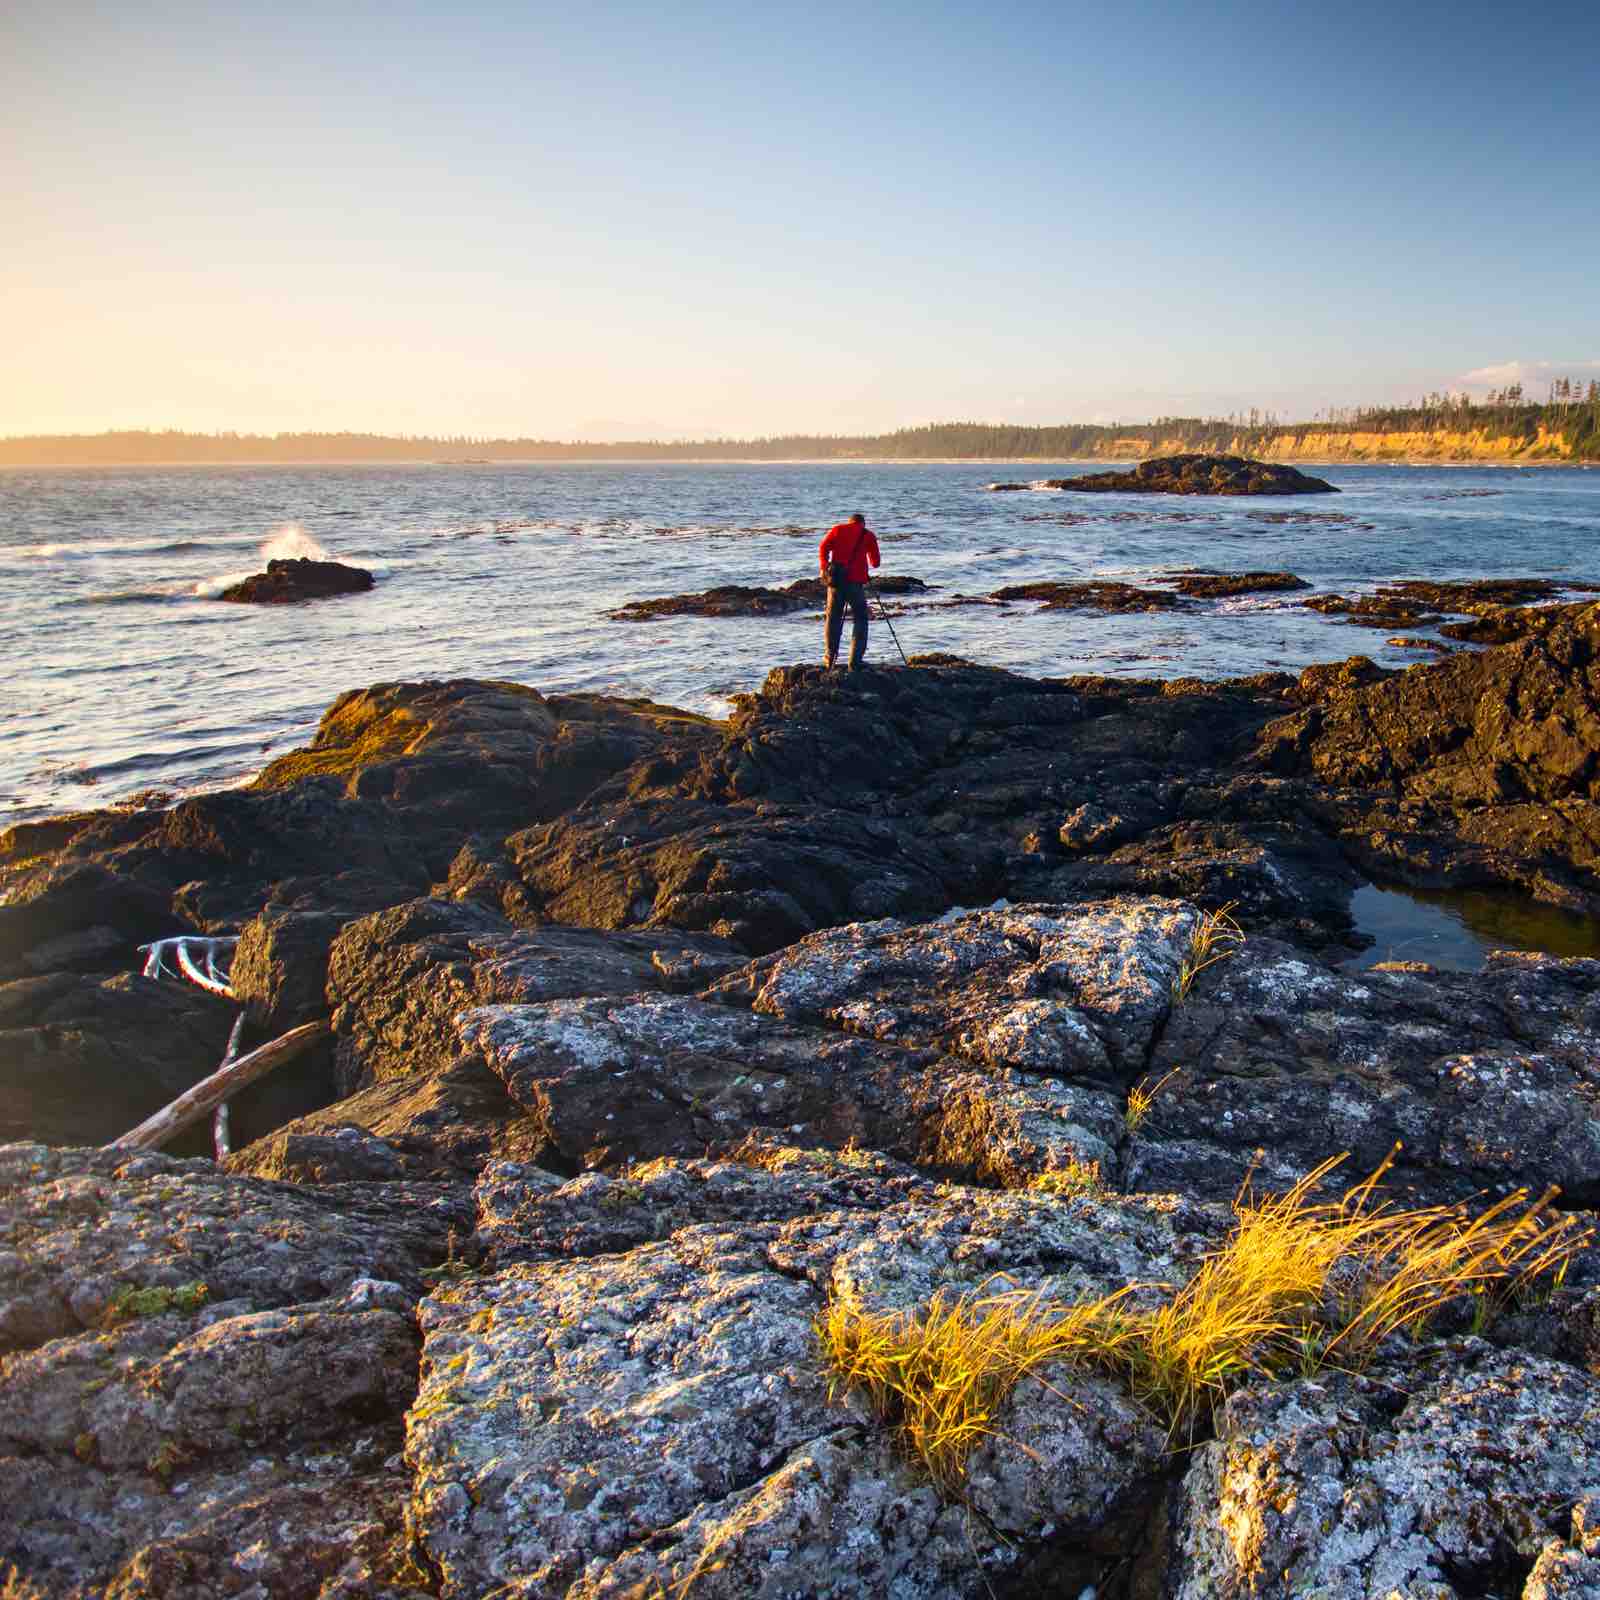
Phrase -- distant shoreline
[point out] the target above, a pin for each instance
(753, 461)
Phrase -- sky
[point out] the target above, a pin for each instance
(617, 220)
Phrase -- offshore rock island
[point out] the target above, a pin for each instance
(1187, 474)
(675, 1067)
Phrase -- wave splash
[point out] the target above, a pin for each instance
(290, 543)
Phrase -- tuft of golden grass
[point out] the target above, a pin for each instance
(1216, 937)
(1267, 1300)
(940, 1378)
(1141, 1100)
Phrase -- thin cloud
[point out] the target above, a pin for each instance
(1530, 374)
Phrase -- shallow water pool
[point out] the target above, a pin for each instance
(1456, 928)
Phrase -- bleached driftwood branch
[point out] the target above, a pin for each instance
(183, 950)
(221, 1141)
(205, 1096)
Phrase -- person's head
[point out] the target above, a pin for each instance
(858, 516)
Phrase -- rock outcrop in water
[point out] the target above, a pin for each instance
(655, 1039)
(1189, 474)
(287, 582)
(740, 600)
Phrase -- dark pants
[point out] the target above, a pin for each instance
(853, 595)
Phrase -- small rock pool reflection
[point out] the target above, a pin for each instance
(1456, 928)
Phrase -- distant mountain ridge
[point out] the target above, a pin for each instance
(1445, 430)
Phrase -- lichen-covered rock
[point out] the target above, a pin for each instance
(398, 978)
(1068, 991)
(1486, 1080)
(202, 1377)
(611, 1081)
(1451, 1474)
(617, 1423)
(81, 1229)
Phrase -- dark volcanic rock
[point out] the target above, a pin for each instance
(1220, 585)
(1518, 723)
(1098, 595)
(398, 777)
(893, 793)
(738, 600)
(285, 582)
(1198, 474)
(87, 1058)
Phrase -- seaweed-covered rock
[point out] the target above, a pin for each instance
(1097, 595)
(288, 581)
(1225, 585)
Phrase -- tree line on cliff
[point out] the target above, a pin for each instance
(1568, 421)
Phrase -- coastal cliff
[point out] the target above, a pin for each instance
(1481, 446)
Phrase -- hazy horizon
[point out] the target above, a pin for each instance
(705, 223)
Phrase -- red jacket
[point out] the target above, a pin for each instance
(853, 545)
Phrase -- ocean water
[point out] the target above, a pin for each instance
(124, 674)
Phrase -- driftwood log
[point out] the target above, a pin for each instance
(205, 1096)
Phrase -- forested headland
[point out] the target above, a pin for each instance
(1504, 426)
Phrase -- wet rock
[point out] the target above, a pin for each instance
(1419, 603)
(286, 582)
(1454, 1473)
(740, 600)
(1098, 595)
(1485, 1081)
(1197, 474)
(1224, 585)
(397, 980)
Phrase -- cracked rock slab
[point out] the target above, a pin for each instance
(1063, 990)
(1445, 1475)
(612, 1424)
(609, 1081)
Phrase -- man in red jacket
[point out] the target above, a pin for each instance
(843, 556)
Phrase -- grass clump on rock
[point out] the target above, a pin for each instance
(130, 1302)
(1299, 1284)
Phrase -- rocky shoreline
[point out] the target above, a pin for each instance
(658, 1042)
